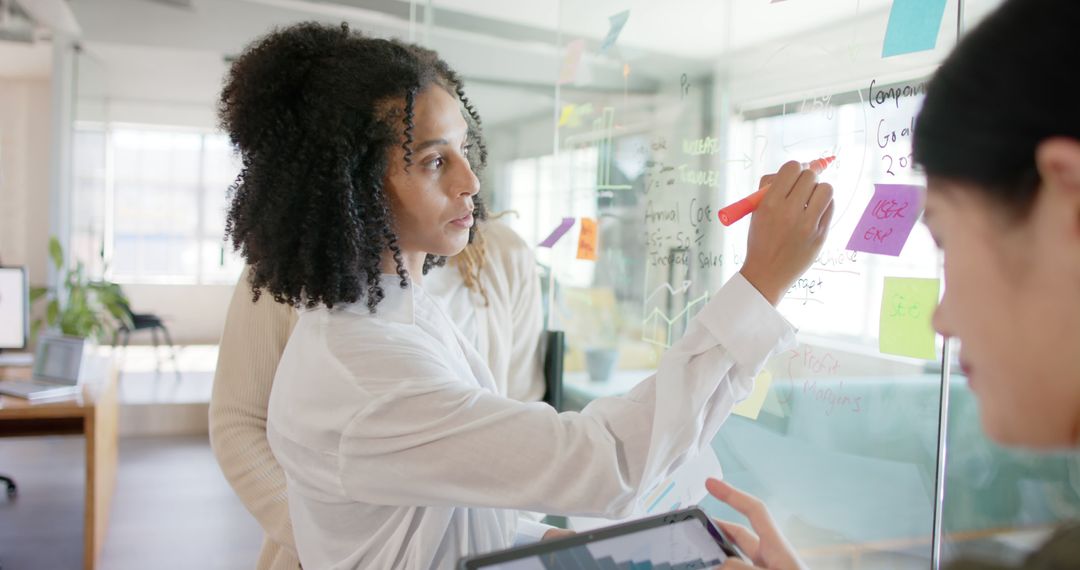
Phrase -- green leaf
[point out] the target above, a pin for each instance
(77, 321)
(52, 310)
(56, 252)
(76, 299)
(87, 323)
(65, 322)
(119, 314)
(100, 330)
(34, 328)
(37, 293)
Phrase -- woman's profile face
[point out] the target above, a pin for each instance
(1012, 298)
(432, 201)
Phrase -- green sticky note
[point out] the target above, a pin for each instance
(907, 306)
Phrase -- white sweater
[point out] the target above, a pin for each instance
(506, 331)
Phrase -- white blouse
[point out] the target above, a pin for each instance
(399, 451)
(507, 330)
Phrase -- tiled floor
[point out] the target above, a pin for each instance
(172, 508)
(152, 378)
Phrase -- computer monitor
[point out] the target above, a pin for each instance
(14, 308)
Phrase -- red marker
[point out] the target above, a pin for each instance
(737, 211)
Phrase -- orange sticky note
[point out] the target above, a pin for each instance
(586, 246)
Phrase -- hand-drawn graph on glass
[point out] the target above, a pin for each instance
(668, 311)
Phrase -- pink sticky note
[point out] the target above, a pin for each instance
(570, 64)
(558, 232)
(889, 217)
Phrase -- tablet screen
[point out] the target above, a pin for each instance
(682, 545)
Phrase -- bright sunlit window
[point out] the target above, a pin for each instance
(163, 216)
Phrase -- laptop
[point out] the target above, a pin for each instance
(56, 370)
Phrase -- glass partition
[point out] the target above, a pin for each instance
(663, 113)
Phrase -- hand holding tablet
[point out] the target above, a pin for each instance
(765, 545)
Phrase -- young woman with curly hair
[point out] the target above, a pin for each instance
(360, 158)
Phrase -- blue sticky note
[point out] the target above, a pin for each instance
(616, 25)
(913, 26)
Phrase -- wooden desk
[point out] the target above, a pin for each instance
(94, 415)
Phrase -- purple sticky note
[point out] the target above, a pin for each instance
(888, 219)
(559, 232)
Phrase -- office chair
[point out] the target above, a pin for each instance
(153, 323)
(10, 484)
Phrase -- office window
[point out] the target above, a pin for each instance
(88, 200)
(161, 217)
(220, 167)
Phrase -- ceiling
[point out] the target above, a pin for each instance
(509, 51)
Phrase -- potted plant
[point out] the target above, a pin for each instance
(88, 309)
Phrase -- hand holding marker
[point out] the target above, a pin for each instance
(735, 212)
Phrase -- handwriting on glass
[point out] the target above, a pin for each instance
(895, 94)
(812, 364)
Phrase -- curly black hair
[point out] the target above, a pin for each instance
(314, 112)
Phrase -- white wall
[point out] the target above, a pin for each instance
(195, 314)
(25, 121)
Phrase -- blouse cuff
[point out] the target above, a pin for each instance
(746, 324)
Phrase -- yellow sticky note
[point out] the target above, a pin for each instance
(751, 407)
(567, 114)
(586, 247)
(907, 306)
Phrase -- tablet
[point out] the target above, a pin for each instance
(683, 539)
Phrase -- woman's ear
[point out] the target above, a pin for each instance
(1058, 161)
